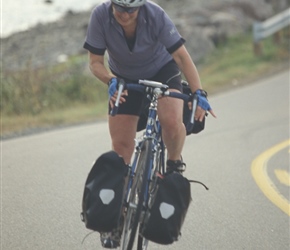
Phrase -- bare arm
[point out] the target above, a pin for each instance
(188, 68)
(98, 68)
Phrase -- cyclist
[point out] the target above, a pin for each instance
(142, 43)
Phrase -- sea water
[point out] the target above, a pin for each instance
(19, 15)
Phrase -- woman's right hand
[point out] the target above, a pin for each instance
(113, 91)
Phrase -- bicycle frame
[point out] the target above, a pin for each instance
(136, 200)
(152, 131)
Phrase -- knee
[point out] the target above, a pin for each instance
(123, 145)
(124, 149)
(173, 126)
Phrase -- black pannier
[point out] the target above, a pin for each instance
(103, 193)
(162, 223)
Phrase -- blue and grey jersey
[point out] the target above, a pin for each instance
(156, 38)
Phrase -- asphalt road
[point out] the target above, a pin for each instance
(243, 156)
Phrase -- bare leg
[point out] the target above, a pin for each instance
(170, 112)
(123, 130)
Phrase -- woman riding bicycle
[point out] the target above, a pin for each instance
(142, 43)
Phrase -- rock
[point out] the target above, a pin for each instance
(45, 43)
(198, 44)
(213, 20)
(203, 24)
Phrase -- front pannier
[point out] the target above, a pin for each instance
(163, 222)
(103, 193)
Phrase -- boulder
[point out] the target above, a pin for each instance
(204, 24)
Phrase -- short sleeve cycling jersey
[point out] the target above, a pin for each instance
(156, 38)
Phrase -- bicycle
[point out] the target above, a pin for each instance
(148, 160)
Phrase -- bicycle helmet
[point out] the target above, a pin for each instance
(129, 3)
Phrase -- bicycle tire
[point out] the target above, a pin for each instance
(158, 168)
(137, 191)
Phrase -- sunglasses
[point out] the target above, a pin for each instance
(122, 9)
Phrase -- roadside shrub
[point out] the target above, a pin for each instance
(33, 91)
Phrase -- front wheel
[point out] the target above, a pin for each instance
(142, 243)
(137, 195)
(157, 169)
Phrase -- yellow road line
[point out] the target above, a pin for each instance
(259, 172)
(283, 176)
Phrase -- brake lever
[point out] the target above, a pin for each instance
(114, 110)
(193, 109)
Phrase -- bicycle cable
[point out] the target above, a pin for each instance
(87, 236)
(199, 182)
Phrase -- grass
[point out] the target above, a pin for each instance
(62, 94)
(235, 63)
(68, 93)
(70, 115)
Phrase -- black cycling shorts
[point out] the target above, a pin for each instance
(169, 74)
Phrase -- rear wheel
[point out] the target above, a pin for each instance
(137, 194)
